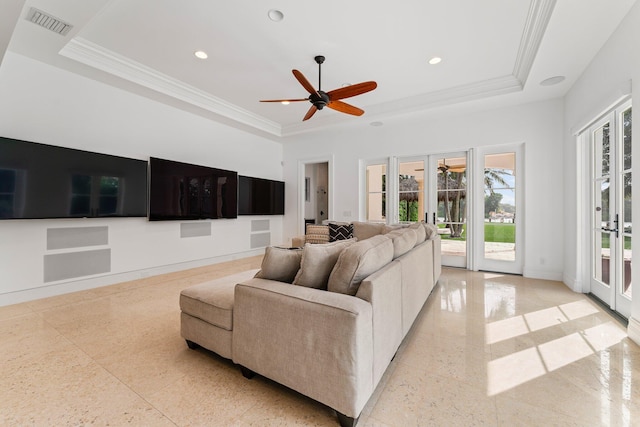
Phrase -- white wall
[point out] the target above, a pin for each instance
(45, 104)
(537, 125)
(605, 80)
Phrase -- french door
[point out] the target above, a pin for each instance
(499, 211)
(610, 148)
(434, 189)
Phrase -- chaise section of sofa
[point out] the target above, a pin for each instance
(333, 338)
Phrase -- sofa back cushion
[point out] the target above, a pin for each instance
(318, 262)
(430, 230)
(280, 264)
(365, 230)
(357, 262)
(403, 241)
(421, 233)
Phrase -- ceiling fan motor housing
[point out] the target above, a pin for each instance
(319, 101)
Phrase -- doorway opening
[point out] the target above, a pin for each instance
(316, 193)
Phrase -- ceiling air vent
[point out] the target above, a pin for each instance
(47, 21)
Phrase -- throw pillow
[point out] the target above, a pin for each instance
(317, 234)
(421, 232)
(357, 262)
(317, 263)
(340, 232)
(280, 264)
(403, 241)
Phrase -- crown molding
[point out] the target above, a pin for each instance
(455, 95)
(540, 12)
(96, 56)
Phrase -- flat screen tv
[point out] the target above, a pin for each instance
(40, 181)
(257, 196)
(182, 191)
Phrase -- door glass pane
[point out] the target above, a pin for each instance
(602, 202)
(626, 213)
(376, 192)
(452, 206)
(500, 206)
(602, 261)
(626, 271)
(411, 191)
(602, 148)
(626, 138)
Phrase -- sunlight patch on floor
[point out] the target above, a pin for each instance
(537, 320)
(518, 368)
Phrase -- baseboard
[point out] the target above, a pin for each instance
(542, 274)
(51, 290)
(572, 283)
(633, 330)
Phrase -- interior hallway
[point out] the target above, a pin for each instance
(487, 349)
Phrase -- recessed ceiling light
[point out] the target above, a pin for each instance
(201, 54)
(376, 123)
(552, 81)
(435, 60)
(275, 15)
(285, 103)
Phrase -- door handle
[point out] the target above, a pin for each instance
(434, 218)
(615, 229)
(426, 217)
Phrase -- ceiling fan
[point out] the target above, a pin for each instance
(320, 99)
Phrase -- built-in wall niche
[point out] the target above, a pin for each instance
(260, 233)
(74, 252)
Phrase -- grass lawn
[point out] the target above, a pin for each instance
(506, 233)
(499, 232)
(493, 232)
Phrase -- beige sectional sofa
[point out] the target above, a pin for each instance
(329, 335)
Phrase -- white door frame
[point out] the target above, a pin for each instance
(329, 159)
(479, 262)
(610, 296)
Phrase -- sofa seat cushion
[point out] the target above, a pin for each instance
(403, 241)
(359, 261)
(212, 301)
(281, 264)
(318, 262)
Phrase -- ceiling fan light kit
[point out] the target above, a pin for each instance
(320, 99)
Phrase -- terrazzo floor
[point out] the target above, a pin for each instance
(487, 349)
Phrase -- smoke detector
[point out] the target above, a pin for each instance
(48, 21)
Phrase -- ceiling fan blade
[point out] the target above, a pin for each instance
(304, 82)
(310, 113)
(343, 107)
(284, 100)
(352, 90)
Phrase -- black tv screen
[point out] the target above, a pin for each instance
(182, 191)
(257, 196)
(40, 181)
